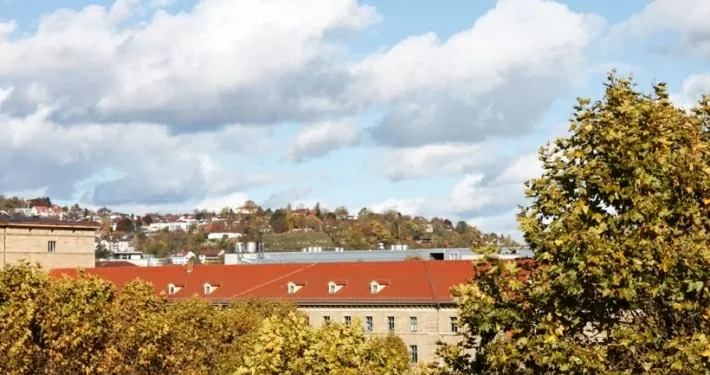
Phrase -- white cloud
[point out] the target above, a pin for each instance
(414, 206)
(162, 3)
(495, 79)
(435, 159)
(282, 198)
(149, 164)
(504, 223)
(476, 195)
(694, 87)
(689, 18)
(224, 61)
(320, 139)
(523, 168)
(484, 200)
(233, 200)
(152, 99)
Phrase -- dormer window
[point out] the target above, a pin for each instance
(335, 286)
(294, 286)
(376, 286)
(174, 288)
(208, 289)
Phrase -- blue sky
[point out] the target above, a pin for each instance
(149, 105)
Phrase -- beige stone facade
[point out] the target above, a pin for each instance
(52, 245)
(433, 323)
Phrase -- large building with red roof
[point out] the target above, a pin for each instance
(409, 298)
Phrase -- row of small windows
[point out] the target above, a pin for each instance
(413, 326)
(413, 323)
(207, 289)
(334, 287)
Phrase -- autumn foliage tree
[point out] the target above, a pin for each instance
(86, 325)
(619, 225)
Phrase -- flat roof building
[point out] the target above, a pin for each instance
(51, 243)
(339, 255)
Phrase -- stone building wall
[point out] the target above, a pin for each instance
(73, 246)
(433, 324)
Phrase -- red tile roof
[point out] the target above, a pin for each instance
(211, 252)
(114, 264)
(408, 281)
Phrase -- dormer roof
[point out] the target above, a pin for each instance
(405, 282)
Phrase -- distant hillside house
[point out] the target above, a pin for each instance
(182, 257)
(54, 212)
(171, 225)
(216, 236)
(212, 256)
(119, 246)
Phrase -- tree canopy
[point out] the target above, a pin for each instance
(618, 223)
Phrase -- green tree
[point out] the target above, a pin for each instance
(279, 347)
(278, 221)
(21, 287)
(140, 330)
(288, 345)
(102, 252)
(619, 227)
(317, 211)
(462, 227)
(341, 213)
(387, 355)
(75, 323)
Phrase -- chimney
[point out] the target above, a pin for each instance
(190, 265)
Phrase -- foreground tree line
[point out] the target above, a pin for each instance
(87, 326)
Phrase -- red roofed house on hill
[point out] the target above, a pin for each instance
(211, 256)
(409, 298)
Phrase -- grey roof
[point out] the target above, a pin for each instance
(368, 255)
(28, 220)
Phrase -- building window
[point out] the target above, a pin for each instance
(374, 288)
(413, 324)
(208, 289)
(369, 324)
(454, 326)
(291, 289)
(414, 352)
(326, 319)
(171, 290)
(390, 323)
(331, 288)
(51, 246)
(348, 320)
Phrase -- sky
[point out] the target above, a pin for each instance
(431, 108)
